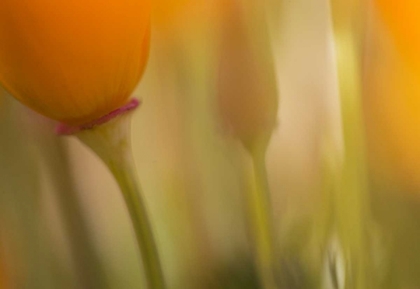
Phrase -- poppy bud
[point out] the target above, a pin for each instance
(247, 96)
(73, 61)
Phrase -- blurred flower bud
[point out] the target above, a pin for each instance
(73, 61)
(247, 88)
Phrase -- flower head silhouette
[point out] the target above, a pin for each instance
(73, 61)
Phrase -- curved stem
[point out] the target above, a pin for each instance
(131, 191)
(111, 142)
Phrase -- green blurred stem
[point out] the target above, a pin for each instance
(132, 194)
(21, 212)
(261, 222)
(89, 265)
(111, 142)
(352, 197)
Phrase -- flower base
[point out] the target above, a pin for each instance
(65, 129)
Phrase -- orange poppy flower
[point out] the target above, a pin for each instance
(393, 93)
(73, 61)
(401, 18)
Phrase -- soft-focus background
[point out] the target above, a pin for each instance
(63, 223)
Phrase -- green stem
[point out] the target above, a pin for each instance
(131, 191)
(111, 142)
(261, 223)
(352, 196)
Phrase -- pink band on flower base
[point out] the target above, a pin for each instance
(65, 129)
